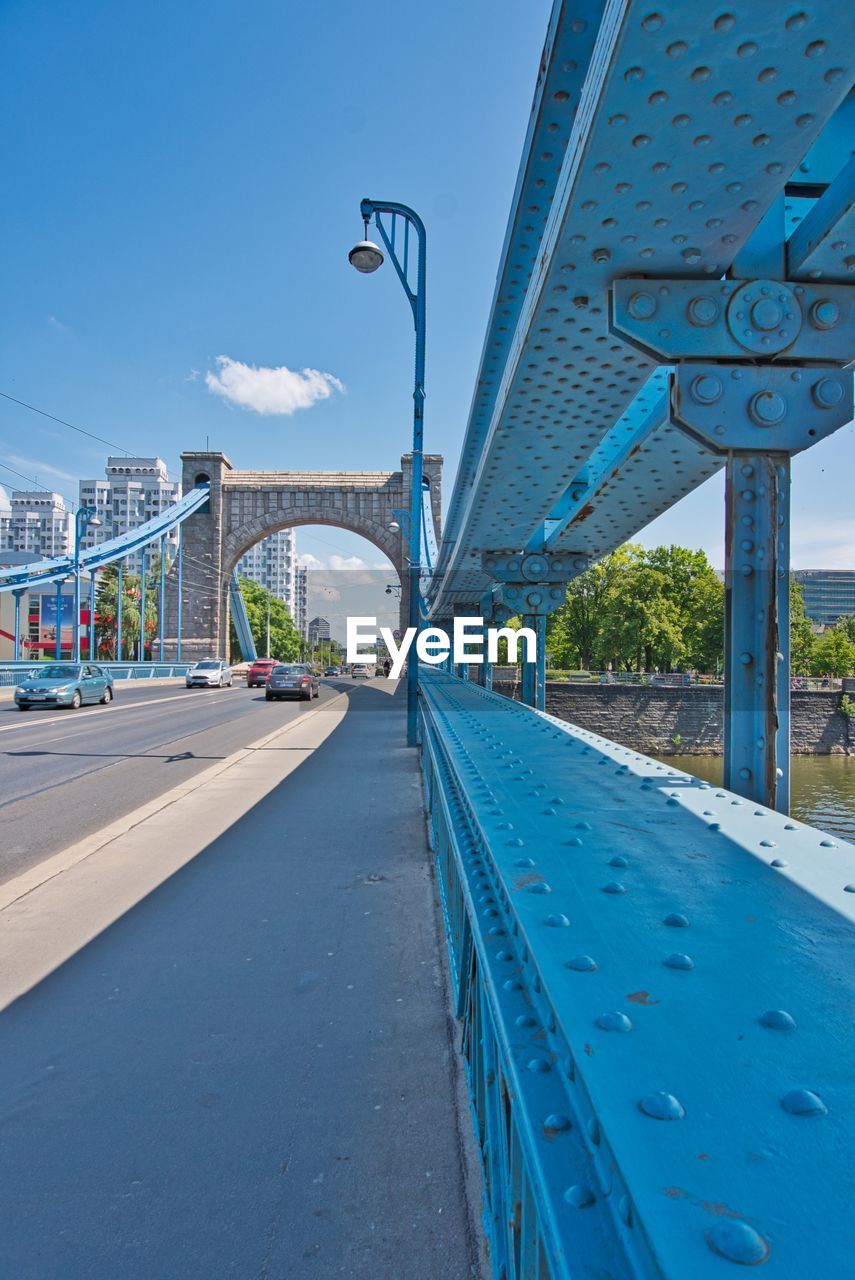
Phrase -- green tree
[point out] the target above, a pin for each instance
(286, 643)
(847, 624)
(573, 631)
(834, 653)
(802, 638)
(106, 607)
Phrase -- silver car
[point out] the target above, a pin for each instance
(64, 684)
(210, 673)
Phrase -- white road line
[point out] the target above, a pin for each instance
(99, 710)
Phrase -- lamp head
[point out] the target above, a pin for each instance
(393, 526)
(366, 257)
(94, 522)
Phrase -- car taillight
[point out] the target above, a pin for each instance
(305, 680)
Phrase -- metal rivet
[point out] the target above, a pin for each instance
(738, 1242)
(778, 1020)
(614, 886)
(582, 964)
(557, 1123)
(614, 1022)
(826, 393)
(706, 389)
(580, 1196)
(676, 921)
(679, 961)
(662, 1106)
(802, 1102)
(618, 861)
(641, 306)
(540, 887)
(557, 921)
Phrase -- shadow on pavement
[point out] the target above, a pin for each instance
(249, 1073)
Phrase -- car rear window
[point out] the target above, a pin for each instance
(206, 666)
(294, 670)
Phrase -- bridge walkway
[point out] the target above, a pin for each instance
(248, 1071)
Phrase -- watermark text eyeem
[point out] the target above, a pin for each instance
(467, 642)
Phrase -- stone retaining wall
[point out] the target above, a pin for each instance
(665, 721)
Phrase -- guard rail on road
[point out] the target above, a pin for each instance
(12, 672)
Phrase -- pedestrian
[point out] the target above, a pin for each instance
(386, 667)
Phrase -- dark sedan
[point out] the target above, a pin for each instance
(292, 680)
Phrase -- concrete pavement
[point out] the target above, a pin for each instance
(227, 1052)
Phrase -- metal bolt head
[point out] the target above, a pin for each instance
(706, 389)
(641, 306)
(826, 393)
(766, 314)
(824, 314)
(767, 408)
(703, 311)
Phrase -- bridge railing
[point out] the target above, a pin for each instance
(652, 990)
(12, 672)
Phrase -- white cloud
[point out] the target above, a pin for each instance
(270, 391)
(309, 561)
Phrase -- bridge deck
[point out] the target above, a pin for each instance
(248, 1074)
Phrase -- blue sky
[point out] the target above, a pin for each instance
(183, 184)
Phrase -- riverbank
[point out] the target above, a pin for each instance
(664, 721)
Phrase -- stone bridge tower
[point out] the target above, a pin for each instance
(246, 506)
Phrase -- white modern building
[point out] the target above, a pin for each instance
(37, 523)
(301, 608)
(134, 491)
(272, 563)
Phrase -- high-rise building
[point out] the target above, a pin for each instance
(272, 563)
(319, 632)
(829, 594)
(135, 490)
(301, 611)
(37, 523)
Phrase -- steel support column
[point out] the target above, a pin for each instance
(58, 645)
(119, 612)
(757, 628)
(92, 654)
(533, 683)
(141, 647)
(17, 594)
(179, 587)
(161, 606)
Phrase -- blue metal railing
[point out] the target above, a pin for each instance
(12, 672)
(654, 995)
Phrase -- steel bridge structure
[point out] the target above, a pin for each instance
(653, 976)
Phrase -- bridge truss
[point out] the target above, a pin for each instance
(673, 297)
(651, 974)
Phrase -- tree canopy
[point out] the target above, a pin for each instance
(285, 640)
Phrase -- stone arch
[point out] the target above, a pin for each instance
(239, 540)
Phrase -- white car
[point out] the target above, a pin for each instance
(208, 674)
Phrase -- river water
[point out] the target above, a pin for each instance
(823, 788)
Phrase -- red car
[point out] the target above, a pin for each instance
(256, 677)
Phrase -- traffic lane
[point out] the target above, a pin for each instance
(59, 788)
(125, 693)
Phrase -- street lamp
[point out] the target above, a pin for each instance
(86, 517)
(366, 258)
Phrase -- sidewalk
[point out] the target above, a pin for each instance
(229, 1051)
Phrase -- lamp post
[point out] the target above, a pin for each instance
(84, 518)
(367, 257)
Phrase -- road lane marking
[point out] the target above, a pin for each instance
(21, 886)
(97, 708)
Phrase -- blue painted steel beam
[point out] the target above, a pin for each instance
(656, 985)
(106, 552)
(822, 246)
(656, 178)
(240, 618)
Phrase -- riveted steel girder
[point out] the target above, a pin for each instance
(760, 407)
(533, 566)
(736, 319)
(687, 131)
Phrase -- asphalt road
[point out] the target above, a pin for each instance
(64, 774)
